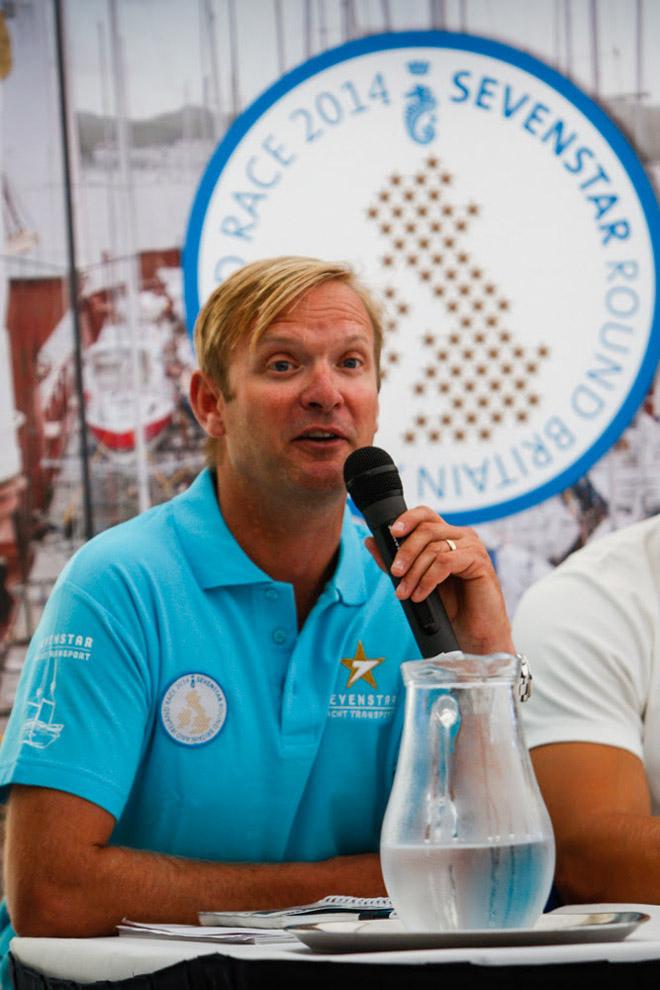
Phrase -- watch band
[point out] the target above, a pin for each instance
(525, 682)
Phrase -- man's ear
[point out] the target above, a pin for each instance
(207, 404)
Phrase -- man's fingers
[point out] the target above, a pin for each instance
(435, 538)
(464, 577)
(416, 571)
(429, 580)
(431, 551)
(430, 569)
(411, 519)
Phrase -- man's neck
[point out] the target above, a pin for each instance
(296, 542)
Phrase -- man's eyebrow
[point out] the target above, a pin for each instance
(286, 340)
(267, 340)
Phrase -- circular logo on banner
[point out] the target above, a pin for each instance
(505, 224)
(193, 709)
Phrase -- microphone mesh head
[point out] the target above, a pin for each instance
(365, 459)
(371, 475)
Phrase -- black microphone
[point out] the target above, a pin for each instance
(375, 486)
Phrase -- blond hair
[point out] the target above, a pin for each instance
(244, 306)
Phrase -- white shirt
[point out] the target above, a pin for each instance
(591, 631)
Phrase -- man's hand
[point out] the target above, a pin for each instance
(465, 578)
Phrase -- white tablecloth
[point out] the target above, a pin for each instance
(90, 959)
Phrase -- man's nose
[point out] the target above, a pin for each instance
(321, 390)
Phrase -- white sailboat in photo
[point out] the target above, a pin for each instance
(110, 387)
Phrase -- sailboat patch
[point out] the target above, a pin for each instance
(41, 728)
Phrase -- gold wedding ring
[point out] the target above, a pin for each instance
(450, 543)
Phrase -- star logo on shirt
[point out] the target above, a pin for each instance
(361, 667)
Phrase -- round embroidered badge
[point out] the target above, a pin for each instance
(193, 709)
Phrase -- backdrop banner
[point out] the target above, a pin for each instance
(503, 220)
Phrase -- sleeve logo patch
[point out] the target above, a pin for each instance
(65, 646)
(193, 709)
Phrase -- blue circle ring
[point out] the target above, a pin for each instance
(494, 49)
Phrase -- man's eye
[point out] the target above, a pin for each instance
(280, 365)
(352, 362)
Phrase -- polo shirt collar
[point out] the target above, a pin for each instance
(348, 580)
(218, 561)
(214, 556)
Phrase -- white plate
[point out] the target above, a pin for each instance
(390, 935)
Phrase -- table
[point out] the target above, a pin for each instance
(64, 964)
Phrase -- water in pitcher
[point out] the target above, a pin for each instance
(468, 886)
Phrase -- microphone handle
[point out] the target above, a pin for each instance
(428, 619)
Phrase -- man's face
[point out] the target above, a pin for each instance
(303, 399)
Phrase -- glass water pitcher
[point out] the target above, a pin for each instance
(467, 841)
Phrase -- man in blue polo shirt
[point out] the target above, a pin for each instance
(209, 713)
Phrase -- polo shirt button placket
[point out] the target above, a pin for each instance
(279, 636)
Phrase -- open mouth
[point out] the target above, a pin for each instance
(321, 437)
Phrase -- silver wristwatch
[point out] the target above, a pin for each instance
(525, 682)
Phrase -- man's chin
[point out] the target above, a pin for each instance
(323, 480)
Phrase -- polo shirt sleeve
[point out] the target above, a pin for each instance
(80, 717)
(587, 640)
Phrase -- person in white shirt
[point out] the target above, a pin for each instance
(591, 630)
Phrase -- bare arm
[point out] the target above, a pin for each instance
(608, 843)
(65, 881)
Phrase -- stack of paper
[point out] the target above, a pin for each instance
(199, 933)
(335, 907)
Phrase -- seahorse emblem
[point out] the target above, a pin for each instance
(419, 115)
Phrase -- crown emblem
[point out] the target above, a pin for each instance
(418, 68)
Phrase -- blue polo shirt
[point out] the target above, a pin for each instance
(168, 683)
